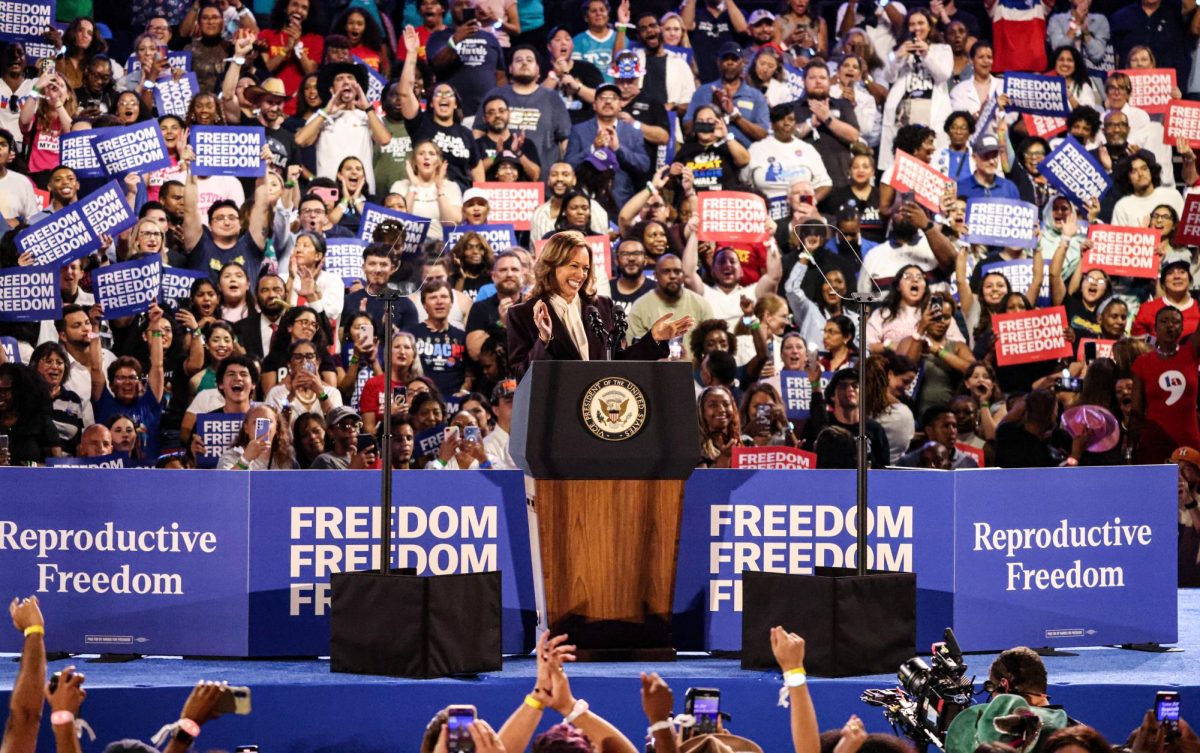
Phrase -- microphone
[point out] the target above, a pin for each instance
(620, 327)
(591, 316)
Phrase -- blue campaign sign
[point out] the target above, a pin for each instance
(10, 349)
(122, 572)
(107, 212)
(987, 117)
(344, 258)
(172, 96)
(176, 284)
(22, 20)
(1009, 223)
(76, 152)
(1037, 94)
(376, 82)
(218, 432)
(499, 237)
(793, 77)
(1019, 273)
(59, 239)
(305, 526)
(777, 521)
(30, 294)
(137, 147)
(181, 59)
(778, 209)
(115, 460)
(228, 150)
(1074, 173)
(129, 287)
(686, 54)
(796, 391)
(415, 228)
(1067, 558)
(429, 441)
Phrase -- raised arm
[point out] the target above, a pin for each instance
(258, 215)
(523, 722)
(1039, 274)
(773, 275)
(193, 231)
(155, 379)
(966, 297)
(409, 106)
(67, 696)
(789, 653)
(25, 704)
(691, 258)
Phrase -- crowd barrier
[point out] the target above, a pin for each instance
(237, 564)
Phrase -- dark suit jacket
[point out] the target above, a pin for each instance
(525, 346)
(249, 334)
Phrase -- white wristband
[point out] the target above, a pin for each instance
(581, 707)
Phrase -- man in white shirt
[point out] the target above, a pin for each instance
(495, 444)
(915, 239)
(17, 200)
(1140, 176)
(781, 159)
(347, 126)
(559, 180)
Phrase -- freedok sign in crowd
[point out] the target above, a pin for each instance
(1123, 251)
(1030, 336)
(239, 564)
(731, 217)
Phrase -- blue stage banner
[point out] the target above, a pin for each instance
(22, 20)
(1074, 173)
(129, 287)
(177, 284)
(8, 346)
(1008, 223)
(1038, 94)
(499, 237)
(306, 525)
(415, 228)
(793, 521)
(1020, 276)
(228, 150)
(30, 294)
(120, 570)
(1065, 557)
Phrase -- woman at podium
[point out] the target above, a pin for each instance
(564, 319)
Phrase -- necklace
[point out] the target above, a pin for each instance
(1164, 353)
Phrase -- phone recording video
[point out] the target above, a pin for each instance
(471, 434)
(458, 732)
(1166, 709)
(262, 429)
(705, 705)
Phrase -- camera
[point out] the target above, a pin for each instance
(929, 697)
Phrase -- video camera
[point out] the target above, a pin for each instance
(928, 698)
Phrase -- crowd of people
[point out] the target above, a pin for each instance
(1016, 715)
(624, 114)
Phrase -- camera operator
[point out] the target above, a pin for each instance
(1018, 712)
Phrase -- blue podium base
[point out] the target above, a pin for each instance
(301, 707)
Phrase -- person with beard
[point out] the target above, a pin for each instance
(670, 297)
(710, 28)
(632, 282)
(574, 79)
(498, 139)
(69, 276)
(666, 77)
(255, 331)
(294, 44)
(827, 123)
(268, 99)
(726, 293)
(377, 269)
(441, 123)
(838, 406)
(127, 396)
(534, 111)
(347, 126)
(560, 181)
(489, 317)
(464, 56)
(915, 239)
(744, 108)
(712, 156)
(391, 158)
(607, 131)
(640, 108)
(14, 85)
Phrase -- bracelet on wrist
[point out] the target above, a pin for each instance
(242, 465)
(62, 716)
(486, 465)
(534, 703)
(35, 630)
(323, 396)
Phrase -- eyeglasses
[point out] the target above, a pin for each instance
(913, 276)
(350, 425)
(1098, 279)
(304, 356)
(150, 234)
(307, 322)
(443, 94)
(127, 378)
(1161, 216)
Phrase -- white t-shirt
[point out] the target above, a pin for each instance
(728, 306)
(346, 135)
(17, 199)
(886, 259)
(775, 165)
(1131, 210)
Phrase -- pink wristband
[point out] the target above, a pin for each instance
(62, 717)
(189, 727)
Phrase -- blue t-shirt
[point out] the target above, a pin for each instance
(146, 414)
(1003, 188)
(210, 258)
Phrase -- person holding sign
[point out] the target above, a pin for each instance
(1165, 385)
(919, 68)
(210, 248)
(555, 323)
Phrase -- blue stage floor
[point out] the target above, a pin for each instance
(300, 707)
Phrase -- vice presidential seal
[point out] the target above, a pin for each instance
(614, 409)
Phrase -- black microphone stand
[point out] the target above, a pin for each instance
(389, 295)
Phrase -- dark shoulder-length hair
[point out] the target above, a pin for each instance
(1125, 164)
(891, 303)
(371, 36)
(98, 45)
(313, 23)
(935, 36)
(1080, 77)
(556, 253)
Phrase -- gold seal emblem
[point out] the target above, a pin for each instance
(614, 409)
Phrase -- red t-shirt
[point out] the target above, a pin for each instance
(1143, 323)
(368, 401)
(290, 72)
(1171, 386)
(367, 55)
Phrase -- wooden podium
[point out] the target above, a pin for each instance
(609, 446)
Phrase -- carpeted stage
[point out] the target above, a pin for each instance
(300, 707)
